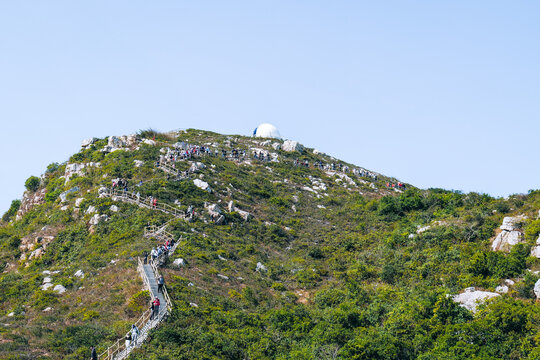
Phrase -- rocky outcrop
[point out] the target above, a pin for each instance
(471, 298)
(203, 185)
(29, 200)
(535, 251)
(86, 143)
(510, 234)
(291, 145)
(124, 142)
(537, 289)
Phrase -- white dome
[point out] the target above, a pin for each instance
(267, 131)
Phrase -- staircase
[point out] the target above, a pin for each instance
(149, 273)
(165, 167)
(132, 198)
(159, 233)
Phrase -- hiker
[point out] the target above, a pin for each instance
(156, 307)
(154, 254)
(128, 339)
(145, 257)
(134, 334)
(154, 203)
(160, 283)
(152, 308)
(93, 353)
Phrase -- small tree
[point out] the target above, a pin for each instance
(32, 183)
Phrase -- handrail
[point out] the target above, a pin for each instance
(146, 203)
(142, 322)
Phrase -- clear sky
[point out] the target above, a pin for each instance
(436, 93)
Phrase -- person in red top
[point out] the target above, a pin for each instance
(156, 308)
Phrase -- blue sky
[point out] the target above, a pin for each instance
(438, 94)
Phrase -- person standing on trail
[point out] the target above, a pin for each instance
(154, 203)
(128, 339)
(152, 311)
(134, 334)
(156, 307)
(160, 283)
(93, 353)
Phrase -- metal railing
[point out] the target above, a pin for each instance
(130, 197)
(118, 350)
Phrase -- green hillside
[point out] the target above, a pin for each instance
(287, 255)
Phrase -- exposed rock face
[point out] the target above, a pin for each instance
(510, 234)
(29, 200)
(87, 142)
(196, 166)
(201, 184)
(470, 298)
(244, 214)
(78, 169)
(124, 142)
(291, 145)
(260, 267)
(179, 262)
(537, 289)
(535, 251)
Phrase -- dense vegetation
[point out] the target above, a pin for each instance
(346, 272)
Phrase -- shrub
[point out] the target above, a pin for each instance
(32, 183)
(8, 215)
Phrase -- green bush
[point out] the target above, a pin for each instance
(32, 183)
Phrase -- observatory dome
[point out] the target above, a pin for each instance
(266, 131)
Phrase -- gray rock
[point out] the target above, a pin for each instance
(47, 280)
(224, 277)
(291, 145)
(503, 289)
(87, 142)
(138, 163)
(260, 267)
(114, 208)
(537, 289)
(179, 262)
(91, 209)
(59, 289)
(510, 222)
(79, 273)
(203, 185)
(78, 202)
(506, 240)
(471, 298)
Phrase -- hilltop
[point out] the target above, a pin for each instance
(283, 252)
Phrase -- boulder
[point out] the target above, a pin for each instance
(503, 289)
(79, 273)
(537, 289)
(244, 214)
(276, 146)
(196, 166)
(260, 267)
(179, 262)
(506, 240)
(114, 208)
(193, 305)
(535, 251)
(78, 202)
(47, 309)
(224, 277)
(203, 185)
(291, 145)
(94, 220)
(149, 142)
(138, 163)
(59, 289)
(46, 286)
(87, 142)
(470, 298)
(47, 280)
(91, 209)
(510, 222)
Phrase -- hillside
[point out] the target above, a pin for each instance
(287, 253)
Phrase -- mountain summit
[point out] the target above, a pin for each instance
(260, 248)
